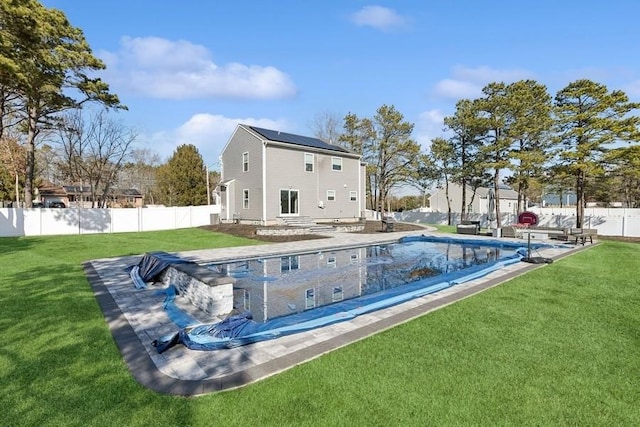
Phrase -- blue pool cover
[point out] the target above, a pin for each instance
(150, 267)
(240, 329)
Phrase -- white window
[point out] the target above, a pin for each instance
(308, 162)
(337, 293)
(310, 298)
(245, 199)
(331, 195)
(245, 161)
(331, 261)
(288, 263)
(246, 303)
(336, 163)
(353, 196)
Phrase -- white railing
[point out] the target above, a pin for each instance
(54, 221)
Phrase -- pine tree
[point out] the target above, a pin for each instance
(45, 63)
(182, 181)
(589, 119)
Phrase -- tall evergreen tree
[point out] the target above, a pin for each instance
(45, 62)
(444, 159)
(496, 115)
(466, 163)
(624, 167)
(387, 147)
(182, 181)
(589, 118)
(531, 108)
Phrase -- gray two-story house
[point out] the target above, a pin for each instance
(268, 176)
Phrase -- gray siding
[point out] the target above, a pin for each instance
(349, 274)
(243, 141)
(438, 201)
(287, 171)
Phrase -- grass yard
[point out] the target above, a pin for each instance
(557, 346)
(444, 228)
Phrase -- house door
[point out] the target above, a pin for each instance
(289, 202)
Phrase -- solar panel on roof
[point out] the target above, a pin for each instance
(289, 138)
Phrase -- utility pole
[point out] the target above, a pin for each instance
(208, 189)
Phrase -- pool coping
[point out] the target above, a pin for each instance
(271, 357)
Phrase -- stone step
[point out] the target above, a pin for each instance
(298, 221)
(322, 229)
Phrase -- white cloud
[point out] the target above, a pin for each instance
(167, 69)
(468, 82)
(430, 125)
(380, 18)
(457, 89)
(208, 132)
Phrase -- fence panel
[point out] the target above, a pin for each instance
(54, 221)
(125, 220)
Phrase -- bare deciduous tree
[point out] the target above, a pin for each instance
(140, 173)
(327, 127)
(94, 151)
(13, 155)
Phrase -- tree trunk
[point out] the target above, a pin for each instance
(580, 199)
(520, 197)
(31, 157)
(17, 191)
(463, 208)
(446, 193)
(496, 190)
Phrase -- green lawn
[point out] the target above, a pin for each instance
(444, 228)
(557, 346)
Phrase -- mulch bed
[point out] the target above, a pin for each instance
(249, 231)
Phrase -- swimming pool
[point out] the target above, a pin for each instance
(291, 284)
(290, 293)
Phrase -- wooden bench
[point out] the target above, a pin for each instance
(558, 233)
(539, 232)
(582, 234)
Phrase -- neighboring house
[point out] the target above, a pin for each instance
(554, 198)
(125, 197)
(480, 203)
(269, 176)
(80, 196)
(49, 193)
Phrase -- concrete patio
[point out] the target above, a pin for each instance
(136, 318)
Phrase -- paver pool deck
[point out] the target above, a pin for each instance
(136, 318)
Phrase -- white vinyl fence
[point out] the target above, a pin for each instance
(54, 221)
(608, 221)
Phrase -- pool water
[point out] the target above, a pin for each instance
(293, 293)
(291, 284)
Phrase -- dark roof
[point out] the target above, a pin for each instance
(51, 190)
(506, 192)
(127, 192)
(76, 189)
(80, 189)
(289, 138)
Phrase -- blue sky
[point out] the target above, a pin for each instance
(189, 71)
